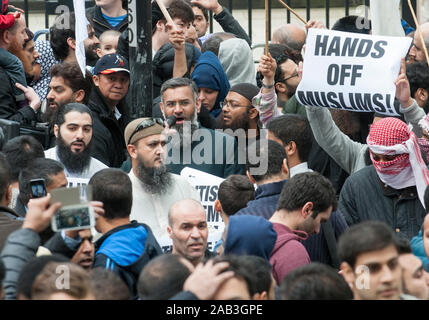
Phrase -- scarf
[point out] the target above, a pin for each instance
(391, 136)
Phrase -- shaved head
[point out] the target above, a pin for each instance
(182, 206)
(187, 227)
(290, 35)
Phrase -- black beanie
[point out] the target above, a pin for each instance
(247, 90)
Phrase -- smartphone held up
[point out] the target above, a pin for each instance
(76, 212)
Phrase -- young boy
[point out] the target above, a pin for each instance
(9, 62)
(108, 42)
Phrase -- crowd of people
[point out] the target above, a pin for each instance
(335, 207)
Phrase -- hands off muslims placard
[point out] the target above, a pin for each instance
(350, 71)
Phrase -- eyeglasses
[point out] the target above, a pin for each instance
(232, 105)
(146, 123)
(294, 75)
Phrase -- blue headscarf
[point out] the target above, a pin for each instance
(208, 73)
(250, 235)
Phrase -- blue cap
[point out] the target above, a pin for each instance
(111, 63)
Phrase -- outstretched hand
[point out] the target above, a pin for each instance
(30, 95)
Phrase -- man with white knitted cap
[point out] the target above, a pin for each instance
(392, 189)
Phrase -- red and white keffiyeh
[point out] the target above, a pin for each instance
(391, 136)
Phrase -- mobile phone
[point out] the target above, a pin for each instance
(38, 188)
(73, 218)
(75, 213)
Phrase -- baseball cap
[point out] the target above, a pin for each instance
(111, 63)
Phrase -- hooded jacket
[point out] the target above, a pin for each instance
(101, 24)
(250, 235)
(288, 253)
(125, 250)
(209, 73)
(237, 60)
(108, 143)
(163, 64)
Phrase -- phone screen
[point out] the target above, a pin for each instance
(73, 218)
(38, 189)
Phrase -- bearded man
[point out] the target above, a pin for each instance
(155, 189)
(194, 146)
(67, 86)
(392, 189)
(73, 132)
(238, 111)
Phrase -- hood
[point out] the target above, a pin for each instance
(163, 62)
(250, 235)
(236, 58)
(125, 246)
(286, 234)
(209, 73)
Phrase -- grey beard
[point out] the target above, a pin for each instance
(154, 180)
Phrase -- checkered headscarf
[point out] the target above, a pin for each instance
(391, 136)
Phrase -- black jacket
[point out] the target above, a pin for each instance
(126, 250)
(57, 245)
(365, 197)
(9, 222)
(9, 108)
(101, 25)
(108, 132)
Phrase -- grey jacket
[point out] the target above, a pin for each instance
(349, 154)
(20, 247)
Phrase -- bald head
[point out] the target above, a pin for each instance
(417, 52)
(290, 35)
(188, 230)
(182, 207)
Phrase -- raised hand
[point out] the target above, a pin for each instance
(403, 92)
(267, 67)
(212, 5)
(30, 95)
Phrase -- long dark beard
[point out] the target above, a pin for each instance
(74, 162)
(155, 180)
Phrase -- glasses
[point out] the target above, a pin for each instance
(294, 75)
(232, 105)
(146, 123)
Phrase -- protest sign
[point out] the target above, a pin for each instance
(350, 71)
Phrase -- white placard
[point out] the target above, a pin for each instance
(350, 71)
(81, 30)
(132, 23)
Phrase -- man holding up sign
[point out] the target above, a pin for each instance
(355, 72)
(397, 178)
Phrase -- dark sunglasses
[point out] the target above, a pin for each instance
(146, 123)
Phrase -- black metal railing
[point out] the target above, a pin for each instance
(51, 5)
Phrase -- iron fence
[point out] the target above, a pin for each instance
(51, 5)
